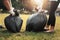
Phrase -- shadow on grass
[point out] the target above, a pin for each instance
(26, 33)
(5, 33)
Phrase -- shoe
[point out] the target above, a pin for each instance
(49, 31)
(46, 28)
(1, 26)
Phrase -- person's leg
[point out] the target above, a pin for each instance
(7, 4)
(51, 20)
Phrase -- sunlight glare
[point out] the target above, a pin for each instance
(39, 2)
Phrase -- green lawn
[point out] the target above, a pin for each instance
(22, 35)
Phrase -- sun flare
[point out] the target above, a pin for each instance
(39, 2)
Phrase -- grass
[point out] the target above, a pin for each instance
(22, 35)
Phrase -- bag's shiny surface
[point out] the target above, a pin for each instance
(36, 22)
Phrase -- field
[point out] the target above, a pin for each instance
(22, 35)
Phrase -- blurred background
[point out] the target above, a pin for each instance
(30, 6)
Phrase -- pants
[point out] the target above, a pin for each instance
(51, 11)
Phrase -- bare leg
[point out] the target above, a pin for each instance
(8, 6)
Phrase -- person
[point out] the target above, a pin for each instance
(52, 18)
(10, 9)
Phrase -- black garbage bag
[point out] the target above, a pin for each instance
(36, 22)
(13, 23)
